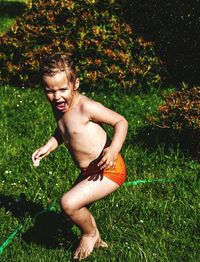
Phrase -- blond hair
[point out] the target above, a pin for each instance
(57, 63)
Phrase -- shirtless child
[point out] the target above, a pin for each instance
(79, 127)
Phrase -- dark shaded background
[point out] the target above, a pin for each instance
(174, 27)
(11, 9)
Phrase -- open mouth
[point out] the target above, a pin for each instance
(60, 105)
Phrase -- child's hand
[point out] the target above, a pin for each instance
(39, 154)
(109, 159)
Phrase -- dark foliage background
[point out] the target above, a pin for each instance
(174, 26)
(11, 9)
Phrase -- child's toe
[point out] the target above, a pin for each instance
(101, 244)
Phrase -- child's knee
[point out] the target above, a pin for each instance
(68, 205)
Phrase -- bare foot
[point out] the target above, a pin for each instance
(86, 246)
(101, 244)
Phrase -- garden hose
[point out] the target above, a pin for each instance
(52, 208)
(150, 180)
(20, 227)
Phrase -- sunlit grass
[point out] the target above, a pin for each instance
(6, 22)
(149, 222)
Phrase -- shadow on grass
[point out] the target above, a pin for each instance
(187, 142)
(11, 9)
(51, 229)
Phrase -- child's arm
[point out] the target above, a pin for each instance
(45, 150)
(98, 113)
(110, 153)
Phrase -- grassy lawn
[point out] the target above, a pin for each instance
(9, 10)
(147, 222)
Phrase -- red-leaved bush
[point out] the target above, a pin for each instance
(104, 47)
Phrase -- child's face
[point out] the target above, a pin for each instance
(60, 93)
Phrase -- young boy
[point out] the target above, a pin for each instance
(79, 127)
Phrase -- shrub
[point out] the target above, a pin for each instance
(181, 113)
(181, 110)
(103, 46)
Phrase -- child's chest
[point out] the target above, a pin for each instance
(72, 125)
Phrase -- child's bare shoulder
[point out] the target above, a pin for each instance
(87, 104)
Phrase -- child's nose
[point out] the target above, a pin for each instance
(57, 95)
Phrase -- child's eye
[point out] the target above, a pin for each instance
(48, 91)
(64, 89)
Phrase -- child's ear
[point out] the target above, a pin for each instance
(77, 82)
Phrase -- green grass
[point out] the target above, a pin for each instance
(149, 222)
(9, 11)
(6, 22)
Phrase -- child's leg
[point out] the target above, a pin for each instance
(74, 204)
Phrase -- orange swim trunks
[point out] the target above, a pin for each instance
(117, 174)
